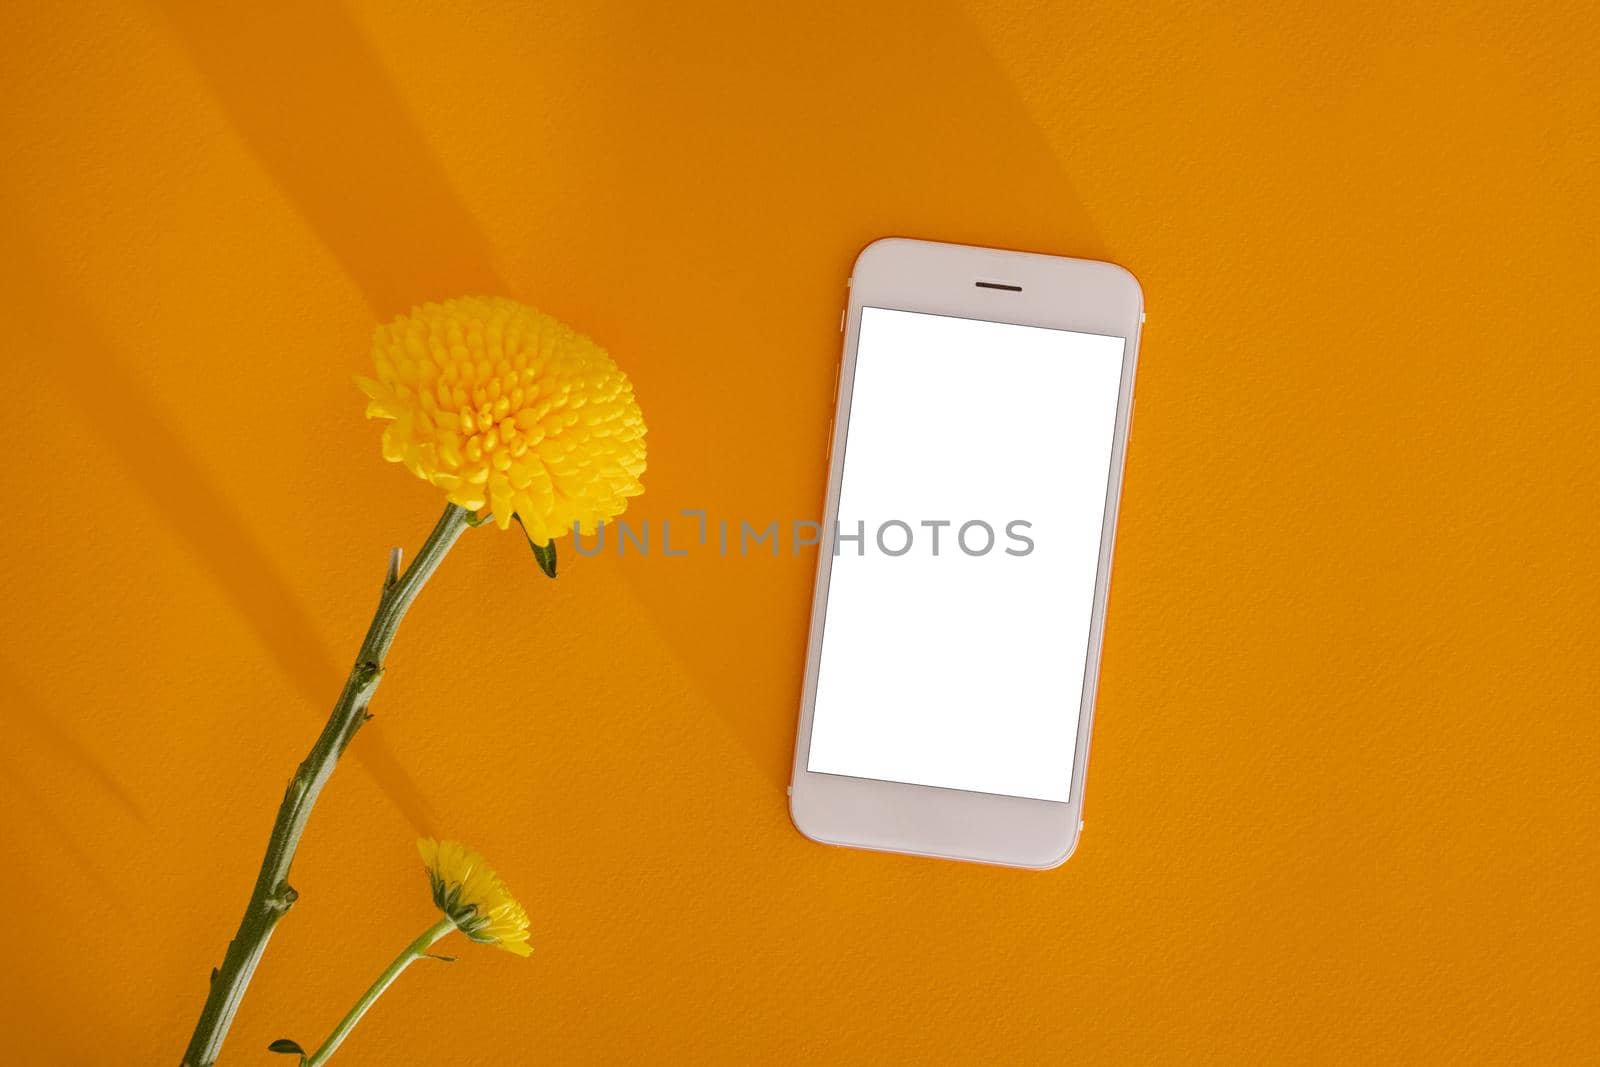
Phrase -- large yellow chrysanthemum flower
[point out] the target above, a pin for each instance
(505, 407)
(467, 890)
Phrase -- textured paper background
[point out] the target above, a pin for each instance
(1342, 801)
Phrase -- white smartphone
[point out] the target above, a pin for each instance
(974, 468)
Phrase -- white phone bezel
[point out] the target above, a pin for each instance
(1087, 296)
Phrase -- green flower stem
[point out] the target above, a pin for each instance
(272, 895)
(413, 952)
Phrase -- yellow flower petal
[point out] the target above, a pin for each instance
(466, 889)
(482, 386)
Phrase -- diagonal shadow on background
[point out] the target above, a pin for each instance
(782, 140)
(61, 336)
(42, 809)
(23, 712)
(308, 97)
(946, 149)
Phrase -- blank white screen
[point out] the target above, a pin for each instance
(956, 670)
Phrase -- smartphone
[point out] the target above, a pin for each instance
(975, 463)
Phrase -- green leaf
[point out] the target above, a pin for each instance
(283, 1044)
(441, 959)
(545, 554)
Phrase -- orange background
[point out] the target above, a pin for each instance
(1343, 799)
